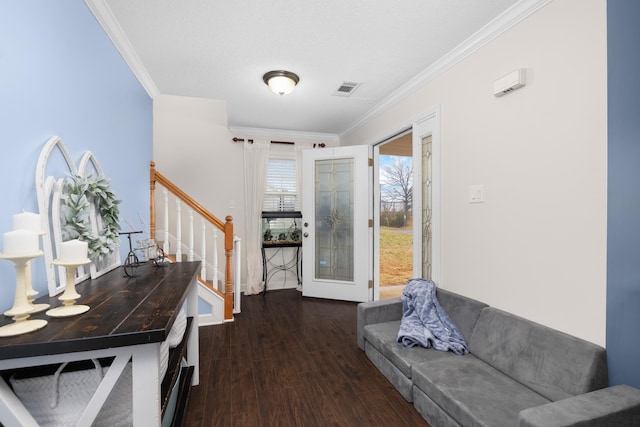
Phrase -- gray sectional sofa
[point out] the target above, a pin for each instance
(517, 373)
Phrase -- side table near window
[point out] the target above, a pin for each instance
(281, 230)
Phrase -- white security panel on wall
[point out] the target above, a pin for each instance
(509, 83)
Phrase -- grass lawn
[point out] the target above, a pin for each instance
(395, 256)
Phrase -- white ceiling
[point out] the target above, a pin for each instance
(220, 49)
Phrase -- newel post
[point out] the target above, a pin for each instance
(228, 270)
(152, 201)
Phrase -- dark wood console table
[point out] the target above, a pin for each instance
(127, 320)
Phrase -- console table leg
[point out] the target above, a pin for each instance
(12, 411)
(193, 356)
(145, 367)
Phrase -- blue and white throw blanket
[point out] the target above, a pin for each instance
(424, 321)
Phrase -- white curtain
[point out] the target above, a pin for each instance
(299, 148)
(256, 157)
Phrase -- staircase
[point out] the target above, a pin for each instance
(219, 290)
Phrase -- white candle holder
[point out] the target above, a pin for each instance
(21, 308)
(69, 296)
(31, 293)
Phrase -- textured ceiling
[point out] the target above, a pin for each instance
(220, 49)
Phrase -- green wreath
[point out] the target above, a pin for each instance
(81, 192)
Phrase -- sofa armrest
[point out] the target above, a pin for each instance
(613, 406)
(377, 312)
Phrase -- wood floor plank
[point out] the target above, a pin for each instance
(218, 405)
(270, 392)
(322, 395)
(289, 361)
(244, 410)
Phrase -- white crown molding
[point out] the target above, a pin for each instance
(103, 14)
(277, 133)
(493, 29)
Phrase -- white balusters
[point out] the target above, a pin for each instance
(209, 271)
(215, 258)
(178, 232)
(190, 253)
(203, 250)
(165, 243)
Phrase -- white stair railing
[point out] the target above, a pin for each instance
(165, 244)
(207, 240)
(203, 248)
(190, 253)
(175, 240)
(215, 257)
(178, 230)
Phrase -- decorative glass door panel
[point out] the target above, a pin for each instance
(334, 219)
(427, 207)
(427, 172)
(336, 236)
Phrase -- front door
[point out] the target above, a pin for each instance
(336, 208)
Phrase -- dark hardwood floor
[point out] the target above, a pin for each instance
(292, 361)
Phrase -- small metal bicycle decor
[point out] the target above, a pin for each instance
(149, 252)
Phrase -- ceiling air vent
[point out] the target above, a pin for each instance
(346, 88)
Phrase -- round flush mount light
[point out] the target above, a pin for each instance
(280, 81)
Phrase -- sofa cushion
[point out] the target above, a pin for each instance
(377, 312)
(617, 406)
(430, 411)
(383, 337)
(463, 311)
(552, 363)
(396, 377)
(474, 393)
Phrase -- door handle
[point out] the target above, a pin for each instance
(306, 234)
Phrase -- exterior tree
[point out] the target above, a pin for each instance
(397, 183)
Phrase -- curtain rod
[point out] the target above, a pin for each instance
(250, 141)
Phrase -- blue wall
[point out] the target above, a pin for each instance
(61, 75)
(623, 246)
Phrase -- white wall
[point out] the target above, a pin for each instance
(214, 176)
(537, 246)
(183, 126)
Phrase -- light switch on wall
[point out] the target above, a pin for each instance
(232, 204)
(476, 194)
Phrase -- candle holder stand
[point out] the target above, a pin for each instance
(31, 293)
(21, 309)
(69, 296)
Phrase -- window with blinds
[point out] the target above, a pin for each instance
(281, 190)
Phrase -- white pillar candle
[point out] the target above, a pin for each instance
(27, 221)
(21, 242)
(73, 250)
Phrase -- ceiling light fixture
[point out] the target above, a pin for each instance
(280, 81)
